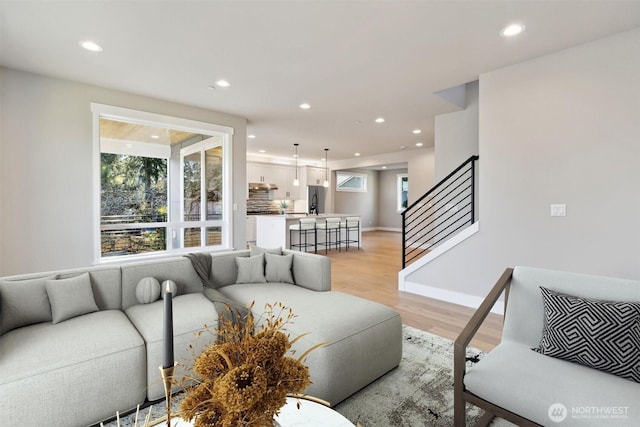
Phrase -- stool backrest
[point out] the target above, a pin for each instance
(307, 223)
(333, 222)
(353, 221)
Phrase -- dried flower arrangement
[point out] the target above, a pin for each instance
(243, 380)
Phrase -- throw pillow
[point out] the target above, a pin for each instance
(172, 286)
(279, 268)
(147, 290)
(257, 250)
(71, 297)
(600, 334)
(251, 269)
(23, 302)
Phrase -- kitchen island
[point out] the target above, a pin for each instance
(273, 230)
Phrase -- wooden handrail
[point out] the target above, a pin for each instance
(465, 337)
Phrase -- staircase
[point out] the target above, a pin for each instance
(440, 214)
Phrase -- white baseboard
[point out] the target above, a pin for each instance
(396, 230)
(450, 296)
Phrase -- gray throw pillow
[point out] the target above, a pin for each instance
(603, 335)
(23, 302)
(257, 250)
(250, 270)
(71, 297)
(279, 268)
(147, 290)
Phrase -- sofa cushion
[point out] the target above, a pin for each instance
(97, 359)
(251, 270)
(147, 290)
(524, 312)
(363, 339)
(257, 250)
(278, 268)
(178, 269)
(599, 334)
(23, 302)
(70, 297)
(526, 382)
(191, 312)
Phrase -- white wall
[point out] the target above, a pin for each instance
(388, 215)
(46, 170)
(421, 170)
(2, 220)
(420, 167)
(562, 128)
(362, 204)
(456, 135)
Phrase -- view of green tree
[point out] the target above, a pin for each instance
(134, 187)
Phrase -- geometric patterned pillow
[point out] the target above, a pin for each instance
(599, 334)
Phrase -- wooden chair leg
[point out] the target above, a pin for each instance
(485, 419)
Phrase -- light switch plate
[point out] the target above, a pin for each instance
(559, 210)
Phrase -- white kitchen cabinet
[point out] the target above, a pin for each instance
(271, 174)
(251, 229)
(259, 172)
(311, 176)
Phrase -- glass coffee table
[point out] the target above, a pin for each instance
(310, 414)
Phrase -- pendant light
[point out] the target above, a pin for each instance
(296, 181)
(326, 169)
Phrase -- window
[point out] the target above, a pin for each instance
(347, 181)
(403, 192)
(162, 184)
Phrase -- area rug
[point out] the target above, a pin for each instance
(417, 393)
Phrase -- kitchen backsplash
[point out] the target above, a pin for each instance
(265, 206)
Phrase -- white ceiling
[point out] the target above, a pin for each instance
(351, 60)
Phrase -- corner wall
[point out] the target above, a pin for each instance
(359, 204)
(46, 168)
(388, 216)
(456, 135)
(562, 128)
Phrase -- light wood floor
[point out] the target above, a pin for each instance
(372, 273)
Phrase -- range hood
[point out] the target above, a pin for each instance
(261, 186)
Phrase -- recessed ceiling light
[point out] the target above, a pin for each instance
(419, 144)
(305, 106)
(356, 154)
(155, 137)
(223, 83)
(402, 147)
(417, 131)
(262, 151)
(380, 120)
(512, 30)
(358, 122)
(384, 167)
(91, 46)
(211, 87)
(252, 136)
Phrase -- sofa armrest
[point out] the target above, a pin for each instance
(311, 271)
(465, 337)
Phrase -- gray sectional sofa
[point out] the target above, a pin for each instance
(66, 362)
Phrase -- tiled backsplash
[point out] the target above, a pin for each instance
(265, 206)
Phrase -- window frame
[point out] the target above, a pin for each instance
(399, 178)
(173, 225)
(361, 189)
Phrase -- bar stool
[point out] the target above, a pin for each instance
(350, 225)
(331, 228)
(306, 227)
